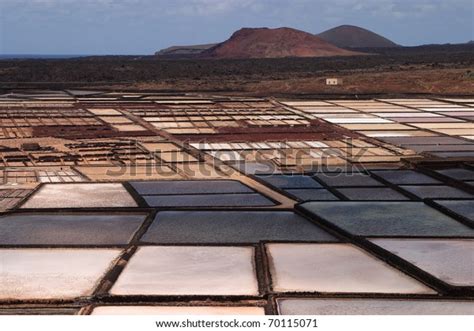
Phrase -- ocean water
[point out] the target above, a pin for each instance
(39, 56)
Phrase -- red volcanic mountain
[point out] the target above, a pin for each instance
(349, 36)
(274, 43)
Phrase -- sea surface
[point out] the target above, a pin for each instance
(39, 56)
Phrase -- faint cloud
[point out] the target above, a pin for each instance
(335, 9)
(405, 8)
(212, 7)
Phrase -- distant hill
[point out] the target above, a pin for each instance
(274, 43)
(349, 36)
(184, 50)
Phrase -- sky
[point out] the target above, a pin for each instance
(145, 26)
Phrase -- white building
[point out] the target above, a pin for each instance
(334, 81)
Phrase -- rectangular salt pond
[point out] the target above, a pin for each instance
(188, 270)
(449, 260)
(41, 274)
(335, 268)
(201, 227)
(355, 306)
(84, 195)
(403, 219)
